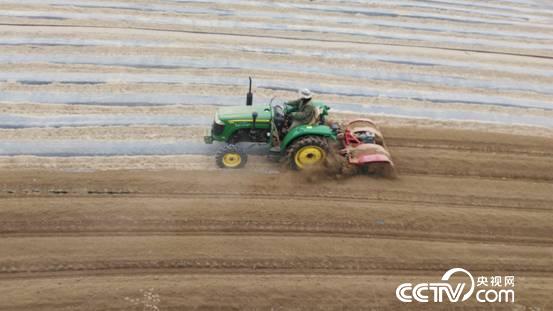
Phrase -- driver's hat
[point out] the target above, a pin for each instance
(305, 94)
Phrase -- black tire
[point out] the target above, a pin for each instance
(226, 157)
(306, 141)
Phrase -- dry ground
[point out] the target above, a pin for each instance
(265, 238)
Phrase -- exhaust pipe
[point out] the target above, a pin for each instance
(249, 97)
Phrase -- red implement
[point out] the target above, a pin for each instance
(364, 147)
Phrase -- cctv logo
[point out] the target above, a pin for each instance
(406, 292)
(444, 291)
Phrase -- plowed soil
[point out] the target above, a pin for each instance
(266, 238)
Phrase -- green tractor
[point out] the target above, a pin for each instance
(359, 142)
(303, 146)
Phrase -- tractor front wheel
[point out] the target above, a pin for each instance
(307, 151)
(231, 156)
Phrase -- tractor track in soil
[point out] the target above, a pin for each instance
(310, 266)
(275, 230)
(250, 227)
(468, 202)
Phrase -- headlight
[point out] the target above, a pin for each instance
(217, 120)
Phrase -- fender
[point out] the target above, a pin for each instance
(303, 130)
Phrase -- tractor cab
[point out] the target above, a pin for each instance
(268, 124)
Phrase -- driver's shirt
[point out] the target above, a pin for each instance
(303, 113)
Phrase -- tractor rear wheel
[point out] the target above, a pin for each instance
(307, 151)
(231, 156)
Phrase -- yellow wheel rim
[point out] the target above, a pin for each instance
(309, 155)
(232, 159)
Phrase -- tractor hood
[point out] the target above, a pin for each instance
(243, 113)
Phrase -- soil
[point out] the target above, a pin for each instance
(264, 237)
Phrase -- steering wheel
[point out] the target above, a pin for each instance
(279, 103)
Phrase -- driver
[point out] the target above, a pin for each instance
(301, 111)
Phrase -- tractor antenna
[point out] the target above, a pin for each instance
(249, 97)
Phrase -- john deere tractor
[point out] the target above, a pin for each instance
(358, 141)
(303, 146)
